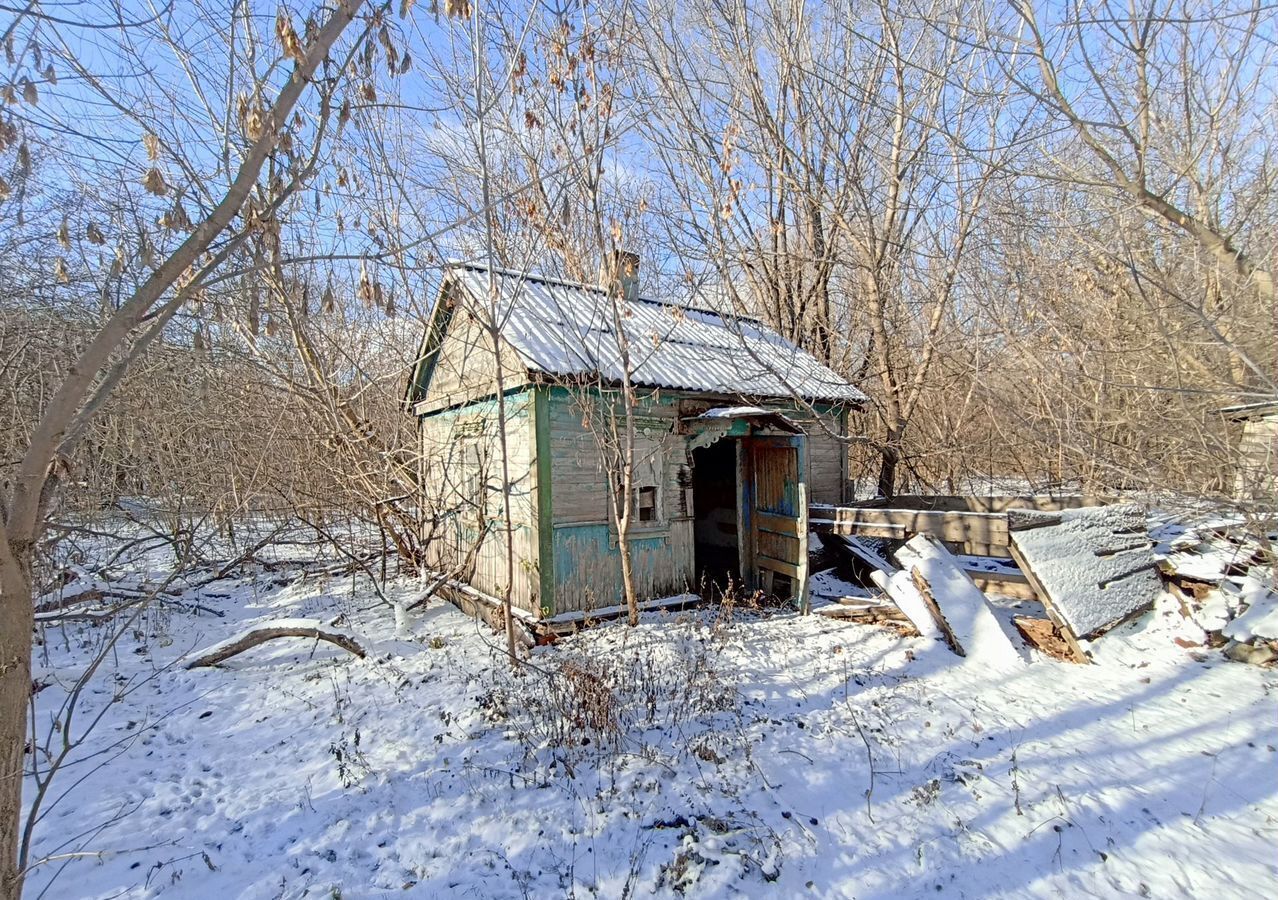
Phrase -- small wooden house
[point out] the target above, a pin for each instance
(736, 431)
(1256, 459)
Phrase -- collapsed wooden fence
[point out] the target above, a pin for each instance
(1091, 571)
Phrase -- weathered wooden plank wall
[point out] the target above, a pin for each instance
(461, 466)
(570, 561)
(827, 456)
(1257, 475)
(779, 500)
(587, 563)
(465, 365)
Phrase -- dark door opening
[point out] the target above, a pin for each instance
(714, 505)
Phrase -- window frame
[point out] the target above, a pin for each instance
(654, 510)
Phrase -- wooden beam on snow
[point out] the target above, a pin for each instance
(1005, 584)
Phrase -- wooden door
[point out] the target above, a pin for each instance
(778, 510)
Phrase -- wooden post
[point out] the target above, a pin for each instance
(801, 586)
(543, 519)
(745, 517)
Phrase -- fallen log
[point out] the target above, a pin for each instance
(58, 618)
(273, 630)
(88, 595)
(91, 594)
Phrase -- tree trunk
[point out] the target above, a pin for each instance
(625, 510)
(627, 574)
(890, 457)
(16, 621)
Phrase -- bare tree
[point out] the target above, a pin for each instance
(1135, 288)
(576, 116)
(259, 114)
(836, 168)
(1171, 102)
(541, 149)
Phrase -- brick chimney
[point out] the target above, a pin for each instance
(621, 275)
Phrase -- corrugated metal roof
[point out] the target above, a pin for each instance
(566, 329)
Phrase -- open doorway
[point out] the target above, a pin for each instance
(714, 504)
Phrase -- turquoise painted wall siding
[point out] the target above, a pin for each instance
(588, 567)
(586, 558)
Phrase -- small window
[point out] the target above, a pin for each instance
(646, 504)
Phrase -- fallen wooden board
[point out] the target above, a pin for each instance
(1043, 635)
(863, 552)
(1092, 570)
(961, 611)
(934, 609)
(988, 503)
(1023, 520)
(866, 529)
(884, 615)
(1005, 584)
(900, 588)
(986, 530)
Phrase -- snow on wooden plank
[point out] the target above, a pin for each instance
(908, 600)
(964, 613)
(864, 552)
(866, 612)
(1093, 569)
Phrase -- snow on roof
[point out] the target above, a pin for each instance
(728, 413)
(565, 329)
(733, 412)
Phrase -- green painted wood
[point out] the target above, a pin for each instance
(467, 406)
(545, 508)
(587, 566)
(845, 474)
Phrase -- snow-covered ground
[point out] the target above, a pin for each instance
(699, 754)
